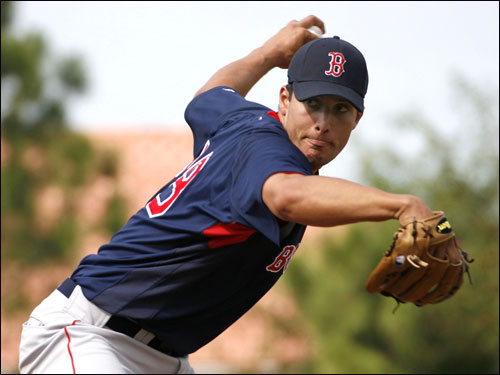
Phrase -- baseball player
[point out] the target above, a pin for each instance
(212, 241)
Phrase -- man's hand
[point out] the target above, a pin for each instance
(412, 208)
(280, 49)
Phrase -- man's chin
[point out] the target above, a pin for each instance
(317, 163)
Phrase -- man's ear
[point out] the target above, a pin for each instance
(284, 102)
(358, 117)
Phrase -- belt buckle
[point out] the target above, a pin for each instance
(144, 336)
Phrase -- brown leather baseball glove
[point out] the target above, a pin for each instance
(423, 265)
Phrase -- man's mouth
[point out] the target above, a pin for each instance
(318, 142)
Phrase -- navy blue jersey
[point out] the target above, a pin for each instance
(205, 248)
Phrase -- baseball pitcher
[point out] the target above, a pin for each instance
(215, 238)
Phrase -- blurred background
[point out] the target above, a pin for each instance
(92, 103)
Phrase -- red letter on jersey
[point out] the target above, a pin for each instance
(283, 259)
(157, 207)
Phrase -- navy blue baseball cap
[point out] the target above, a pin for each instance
(329, 66)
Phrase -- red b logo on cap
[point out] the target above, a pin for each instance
(336, 64)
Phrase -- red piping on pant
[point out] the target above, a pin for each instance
(69, 349)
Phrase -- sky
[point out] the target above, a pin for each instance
(145, 60)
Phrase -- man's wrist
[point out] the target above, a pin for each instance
(262, 59)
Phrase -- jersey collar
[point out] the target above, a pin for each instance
(274, 115)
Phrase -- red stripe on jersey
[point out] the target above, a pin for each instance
(274, 114)
(227, 234)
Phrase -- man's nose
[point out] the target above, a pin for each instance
(322, 124)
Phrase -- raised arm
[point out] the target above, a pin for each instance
(278, 51)
(326, 201)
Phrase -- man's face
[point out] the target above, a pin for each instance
(320, 127)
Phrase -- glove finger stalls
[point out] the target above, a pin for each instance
(385, 272)
(433, 274)
(405, 242)
(416, 282)
(453, 252)
(404, 282)
(439, 251)
(449, 284)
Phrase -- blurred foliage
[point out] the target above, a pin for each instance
(115, 214)
(356, 332)
(44, 163)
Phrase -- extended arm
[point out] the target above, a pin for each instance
(325, 201)
(278, 51)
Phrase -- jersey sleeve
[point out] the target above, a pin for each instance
(261, 154)
(211, 110)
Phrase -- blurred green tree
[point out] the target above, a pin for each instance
(43, 160)
(355, 332)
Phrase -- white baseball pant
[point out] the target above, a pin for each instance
(67, 336)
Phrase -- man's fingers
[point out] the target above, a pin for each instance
(312, 20)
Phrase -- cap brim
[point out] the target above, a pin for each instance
(308, 89)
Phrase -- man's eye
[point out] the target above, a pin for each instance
(342, 108)
(313, 103)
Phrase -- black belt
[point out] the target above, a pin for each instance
(116, 323)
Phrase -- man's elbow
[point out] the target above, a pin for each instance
(284, 205)
(282, 210)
